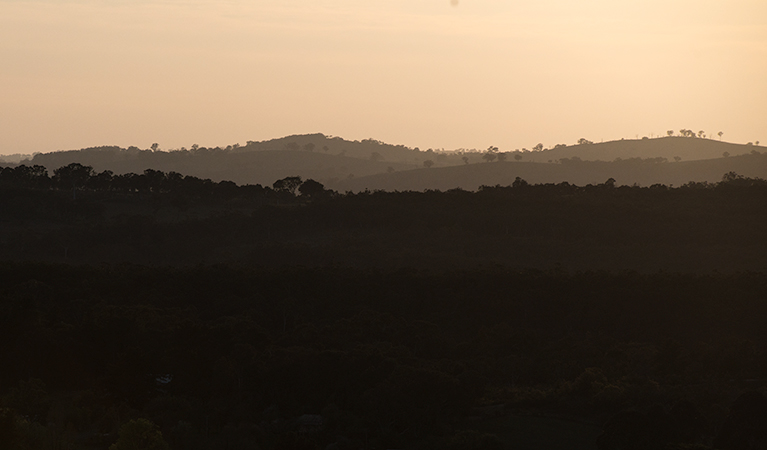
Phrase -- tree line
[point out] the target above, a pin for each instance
(78, 177)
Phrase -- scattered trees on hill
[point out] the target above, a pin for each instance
(491, 154)
(691, 134)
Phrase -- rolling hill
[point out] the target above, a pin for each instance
(372, 164)
(626, 172)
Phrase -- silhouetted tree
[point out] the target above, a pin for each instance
(288, 184)
(538, 147)
(28, 176)
(154, 180)
(101, 181)
(720, 135)
(311, 188)
(309, 147)
(491, 154)
(584, 141)
(465, 159)
(73, 176)
(519, 183)
(428, 163)
(670, 132)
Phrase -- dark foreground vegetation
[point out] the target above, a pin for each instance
(157, 218)
(220, 357)
(188, 314)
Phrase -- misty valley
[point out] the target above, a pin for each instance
(315, 293)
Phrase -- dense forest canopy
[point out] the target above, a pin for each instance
(218, 355)
(79, 215)
(189, 313)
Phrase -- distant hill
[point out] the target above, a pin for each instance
(319, 143)
(687, 149)
(341, 163)
(626, 172)
(242, 167)
(16, 158)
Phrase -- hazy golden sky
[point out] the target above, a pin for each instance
(426, 73)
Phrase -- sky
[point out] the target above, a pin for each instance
(423, 73)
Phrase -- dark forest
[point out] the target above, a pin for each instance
(160, 310)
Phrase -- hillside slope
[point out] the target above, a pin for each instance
(644, 173)
(688, 149)
(257, 167)
(340, 163)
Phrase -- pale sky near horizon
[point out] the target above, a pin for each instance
(423, 73)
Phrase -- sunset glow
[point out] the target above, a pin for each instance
(426, 73)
